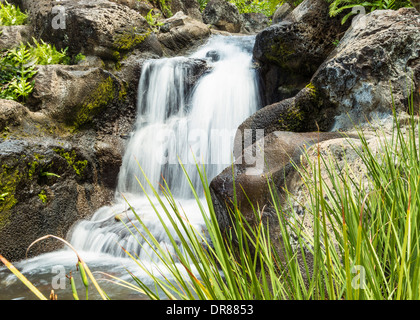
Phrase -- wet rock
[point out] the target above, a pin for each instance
(213, 55)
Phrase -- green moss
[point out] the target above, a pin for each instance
(9, 179)
(129, 40)
(104, 93)
(312, 90)
(5, 133)
(291, 120)
(279, 54)
(42, 196)
(71, 158)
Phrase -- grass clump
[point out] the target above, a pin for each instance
(363, 242)
(367, 223)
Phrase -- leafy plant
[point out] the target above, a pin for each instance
(339, 6)
(79, 57)
(45, 53)
(10, 15)
(151, 19)
(18, 66)
(257, 6)
(42, 196)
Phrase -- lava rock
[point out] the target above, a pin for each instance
(291, 51)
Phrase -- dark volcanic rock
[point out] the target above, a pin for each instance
(96, 27)
(47, 185)
(291, 51)
(254, 22)
(380, 54)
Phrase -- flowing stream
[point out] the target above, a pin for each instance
(188, 111)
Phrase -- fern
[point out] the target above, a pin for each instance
(17, 67)
(11, 15)
(339, 6)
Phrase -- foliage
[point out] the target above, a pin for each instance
(42, 196)
(10, 15)
(371, 225)
(45, 53)
(151, 19)
(164, 6)
(257, 6)
(79, 57)
(339, 6)
(17, 67)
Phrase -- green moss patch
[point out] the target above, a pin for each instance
(71, 158)
(129, 40)
(104, 93)
(291, 119)
(9, 179)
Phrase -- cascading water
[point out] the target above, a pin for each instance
(179, 119)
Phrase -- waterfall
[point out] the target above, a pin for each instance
(176, 122)
(188, 110)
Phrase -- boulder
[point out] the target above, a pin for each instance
(11, 114)
(270, 160)
(46, 186)
(372, 69)
(12, 36)
(74, 95)
(291, 51)
(95, 27)
(189, 7)
(181, 32)
(223, 15)
(254, 22)
(302, 113)
(281, 13)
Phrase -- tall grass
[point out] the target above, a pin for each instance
(363, 242)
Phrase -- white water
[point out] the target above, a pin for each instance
(174, 122)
